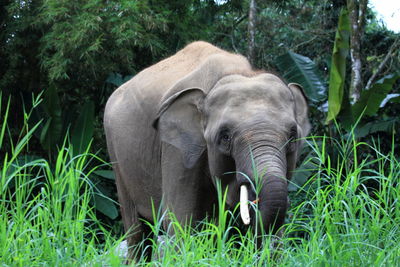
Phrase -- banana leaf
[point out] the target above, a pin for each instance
(83, 130)
(53, 128)
(105, 206)
(107, 174)
(373, 127)
(338, 67)
(370, 100)
(300, 69)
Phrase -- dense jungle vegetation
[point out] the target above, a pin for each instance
(61, 60)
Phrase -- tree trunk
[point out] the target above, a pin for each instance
(357, 9)
(252, 31)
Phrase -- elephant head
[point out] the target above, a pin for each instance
(249, 127)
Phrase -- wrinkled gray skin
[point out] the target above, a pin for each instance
(179, 125)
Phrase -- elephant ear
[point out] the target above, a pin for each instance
(179, 124)
(301, 108)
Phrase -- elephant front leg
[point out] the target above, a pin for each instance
(187, 193)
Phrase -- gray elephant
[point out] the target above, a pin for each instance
(200, 116)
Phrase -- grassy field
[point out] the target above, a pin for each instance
(335, 219)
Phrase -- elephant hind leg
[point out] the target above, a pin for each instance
(139, 236)
(146, 248)
(132, 225)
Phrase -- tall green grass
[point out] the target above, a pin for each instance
(349, 222)
(339, 222)
(45, 216)
(336, 220)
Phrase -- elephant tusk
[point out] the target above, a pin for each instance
(244, 205)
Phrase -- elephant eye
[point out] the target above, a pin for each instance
(292, 138)
(293, 132)
(224, 137)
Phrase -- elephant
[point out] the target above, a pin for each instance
(198, 118)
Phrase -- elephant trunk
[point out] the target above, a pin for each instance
(266, 168)
(273, 203)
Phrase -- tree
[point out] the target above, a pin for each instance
(252, 31)
(357, 10)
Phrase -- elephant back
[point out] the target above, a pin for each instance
(154, 81)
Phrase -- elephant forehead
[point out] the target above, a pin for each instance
(249, 93)
(251, 115)
(242, 105)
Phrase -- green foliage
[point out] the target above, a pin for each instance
(107, 174)
(338, 66)
(3, 118)
(56, 126)
(348, 217)
(116, 79)
(83, 130)
(369, 128)
(80, 51)
(52, 129)
(368, 106)
(104, 204)
(299, 69)
(303, 172)
(371, 99)
(95, 32)
(44, 209)
(80, 141)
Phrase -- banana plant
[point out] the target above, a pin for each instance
(300, 69)
(339, 106)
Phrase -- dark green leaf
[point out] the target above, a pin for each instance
(52, 131)
(300, 69)
(105, 206)
(83, 129)
(115, 79)
(370, 100)
(395, 99)
(44, 134)
(300, 176)
(3, 118)
(302, 173)
(338, 68)
(373, 127)
(108, 174)
(346, 113)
